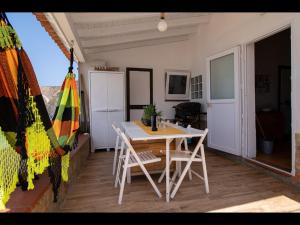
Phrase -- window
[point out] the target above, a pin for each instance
(197, 87)
(222, 77)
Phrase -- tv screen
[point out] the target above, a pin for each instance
(177, 84)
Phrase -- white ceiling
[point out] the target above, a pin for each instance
(101, 32)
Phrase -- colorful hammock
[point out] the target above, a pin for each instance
(25, 126)
(66, 117)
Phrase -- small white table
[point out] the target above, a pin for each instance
(136, 133)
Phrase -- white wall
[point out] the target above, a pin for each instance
(176, 55)
(226, 30)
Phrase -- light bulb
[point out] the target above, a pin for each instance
(162, 25)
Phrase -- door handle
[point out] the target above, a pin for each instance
(113, 110)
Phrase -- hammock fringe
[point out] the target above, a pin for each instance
(29, 141)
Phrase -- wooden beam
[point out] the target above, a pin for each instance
(65, 26)
(93, 31)
(119, 39)
(94, 53)
(49, 29)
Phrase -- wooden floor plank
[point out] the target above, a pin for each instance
(233, 187)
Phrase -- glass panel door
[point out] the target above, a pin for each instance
(223, 112)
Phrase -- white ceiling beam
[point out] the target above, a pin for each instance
(153, 34)
(102, 17)
(67, 34)
(102, 20)
(92, 32)
(93, 53)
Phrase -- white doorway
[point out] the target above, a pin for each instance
(139, 91)
(268, 94)
(223, 101)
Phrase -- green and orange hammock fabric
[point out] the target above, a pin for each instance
(66, 117)
(29, 141)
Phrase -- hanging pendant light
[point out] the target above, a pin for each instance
(162, 25)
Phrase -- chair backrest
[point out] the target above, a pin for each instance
(200, 142)
(114, 127)
(117, 130)
(125, 139)
(204, 135)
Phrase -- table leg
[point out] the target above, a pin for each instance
(178, 165)
(168, 141)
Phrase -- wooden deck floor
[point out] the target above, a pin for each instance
(233, 187)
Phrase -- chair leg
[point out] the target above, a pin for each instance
(128, 176)
(118, 172)
(175, 174)
(204, 170)
(186, 149)
(190, 174)
(115, 160)
(119, 164)
(179, 173)
(178, 167)
(181, 178)
(116, 154)
(147, 174)
(162, 176)
(152, 182)
(123, 180)
(186, 145)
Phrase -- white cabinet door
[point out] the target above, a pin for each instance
(98, 85)
(98, 107)
(99, 130)
(117, 118)
(223, 110)
(116, 99)
(115, 89)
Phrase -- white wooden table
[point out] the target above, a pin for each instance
(136, 133)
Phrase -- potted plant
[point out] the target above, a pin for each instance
(149, 111)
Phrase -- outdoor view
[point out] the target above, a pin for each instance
(50, 64)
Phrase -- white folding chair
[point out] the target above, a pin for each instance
(189, 157)
(119, 148)
(131, 159)
(178, 164)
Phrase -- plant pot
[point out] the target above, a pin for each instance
(146, 122)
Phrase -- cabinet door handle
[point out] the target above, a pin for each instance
(101, 110)
(114, 110)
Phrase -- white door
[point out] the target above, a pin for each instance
(116, 105)
(98, 107)
(223, 101)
